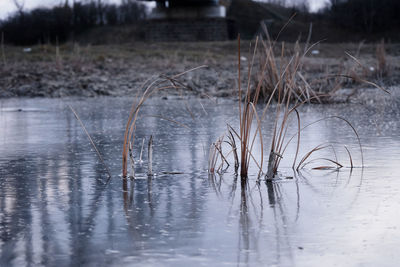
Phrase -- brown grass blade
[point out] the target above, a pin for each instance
(351, 159)
(298, 138)
(358, 79)
(234, 149)
(170, 120)
(308, 154)
(323, 168)
(332, 117)
(338, 165)
(150, 88)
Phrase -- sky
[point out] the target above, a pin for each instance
(315, 5)
(7, 6)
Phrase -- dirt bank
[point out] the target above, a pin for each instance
(73, 70)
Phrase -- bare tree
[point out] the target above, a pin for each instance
(334, 3)
(303, 5)
(19, 4)
(100, 11)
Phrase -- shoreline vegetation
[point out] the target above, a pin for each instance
(117, 70)
(290, 94)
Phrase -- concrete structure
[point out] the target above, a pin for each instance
(188, 20)
(191, 9)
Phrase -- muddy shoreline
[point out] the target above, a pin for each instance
(90, 71)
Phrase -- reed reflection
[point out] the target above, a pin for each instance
(163, 212)
(256, 223)
(46, 214)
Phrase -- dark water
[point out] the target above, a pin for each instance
(57, 206)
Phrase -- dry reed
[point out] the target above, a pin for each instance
(283, 86)
(91, 140)
(280, 80)
(150, 157)
(149, 88)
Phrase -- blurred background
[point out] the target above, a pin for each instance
(30, 22)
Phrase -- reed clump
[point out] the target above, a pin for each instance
(279, 83)
(286, 66)
(287, 70)
(282, 89)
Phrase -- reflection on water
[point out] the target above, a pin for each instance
(57, 206)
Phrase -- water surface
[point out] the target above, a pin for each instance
(58, 207)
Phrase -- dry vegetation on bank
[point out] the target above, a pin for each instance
(117, 70)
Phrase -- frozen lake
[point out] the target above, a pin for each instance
(58, 207)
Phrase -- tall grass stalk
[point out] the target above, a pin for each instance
(141, 152)
(232, 143)
(357, 78)
(150, 157)
(132, 159)
(149, 88)
(91, 140)
(247, 115)
(350, 157)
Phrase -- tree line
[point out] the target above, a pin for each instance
(366, 16)
(62, 22)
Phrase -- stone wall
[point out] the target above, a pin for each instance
(207, 29)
